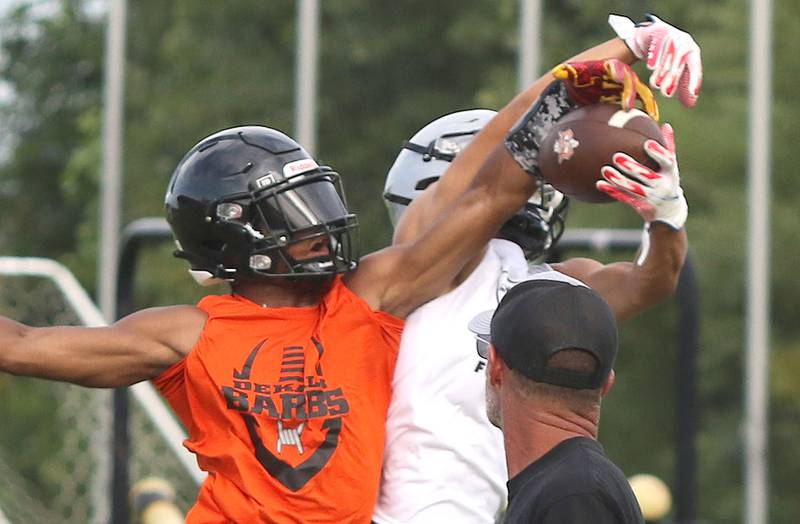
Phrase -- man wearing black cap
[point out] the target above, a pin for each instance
(551, 345)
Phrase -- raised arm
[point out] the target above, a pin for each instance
(401, 277)
(138, 347)
(458, 177)
(672, 56)
(630, 287)
(405, 276)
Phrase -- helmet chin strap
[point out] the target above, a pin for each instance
(206, 278)
(531, 247)
(644, 249)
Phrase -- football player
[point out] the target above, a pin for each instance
(444, 460)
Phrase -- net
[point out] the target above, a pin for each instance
(55, 448)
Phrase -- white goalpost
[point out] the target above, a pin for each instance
(42, 291)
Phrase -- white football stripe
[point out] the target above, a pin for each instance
(620, 118)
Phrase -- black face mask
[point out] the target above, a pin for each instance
(284, 215)
(531, 232)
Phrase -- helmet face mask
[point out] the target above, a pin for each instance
(538, 226)
(244, 200)
(303, 208)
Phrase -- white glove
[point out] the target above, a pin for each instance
(672, 55)
(656, 196)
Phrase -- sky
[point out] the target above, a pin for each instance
(6, 93)
(5, 7)
(43, 5)
(42, 8)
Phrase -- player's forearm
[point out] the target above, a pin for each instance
(614, 48)
(11, 334)
(477, 215)
(655, 272)
(461, 174)
(426, 267)
(70, 354)
(25, 351)
(631, 287)
(664, 260)
(504, 186)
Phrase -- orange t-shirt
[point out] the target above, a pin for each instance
(286, 407)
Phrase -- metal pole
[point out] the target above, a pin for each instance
(113, 118)
(134, 237)
(113, 114)
(120, 453)
(757, 361)
(530, 31)
(686, 404)
(306, 74)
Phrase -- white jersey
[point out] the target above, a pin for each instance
(444, 461)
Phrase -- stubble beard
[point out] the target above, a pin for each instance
(493, 412)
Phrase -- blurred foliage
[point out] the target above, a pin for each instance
(387, 69)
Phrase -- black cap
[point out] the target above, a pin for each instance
(538, 318)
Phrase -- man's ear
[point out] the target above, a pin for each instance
(496, 368)
(612, 377)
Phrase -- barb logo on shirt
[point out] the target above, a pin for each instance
(298, 415)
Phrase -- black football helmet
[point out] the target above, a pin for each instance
(242, 197)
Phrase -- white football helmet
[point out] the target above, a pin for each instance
(425, 157)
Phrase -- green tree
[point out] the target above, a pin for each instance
(52, 65)
(386, 70)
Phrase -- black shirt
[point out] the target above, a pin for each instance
(573, 483)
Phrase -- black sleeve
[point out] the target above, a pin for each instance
(580, 509)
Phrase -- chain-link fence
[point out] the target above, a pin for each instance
(55, 453)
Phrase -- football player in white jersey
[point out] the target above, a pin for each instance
(444, 461)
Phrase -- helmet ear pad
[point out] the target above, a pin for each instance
(220, 247)
(238, 244)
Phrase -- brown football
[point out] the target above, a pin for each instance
(584, 140)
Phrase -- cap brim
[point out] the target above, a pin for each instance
(481, 324)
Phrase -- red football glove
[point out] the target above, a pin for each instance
(611, 81)
(672, 55)
(656, 196)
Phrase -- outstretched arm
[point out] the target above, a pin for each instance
(433, 202)
(137, 347)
